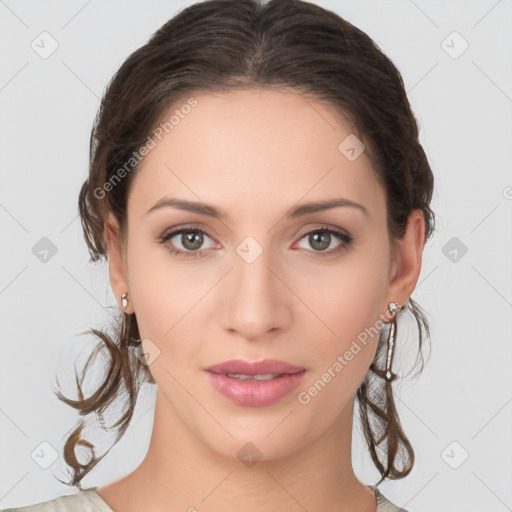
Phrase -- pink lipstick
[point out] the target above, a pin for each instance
(255, 384)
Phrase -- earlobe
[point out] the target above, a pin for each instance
(116, 266)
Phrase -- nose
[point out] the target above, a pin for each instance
(257, 300)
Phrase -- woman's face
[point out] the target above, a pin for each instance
(261, 282)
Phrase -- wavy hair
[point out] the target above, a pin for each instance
(221, 46)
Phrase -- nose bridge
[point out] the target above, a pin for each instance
(257, 298)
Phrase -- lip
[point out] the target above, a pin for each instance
(254, 368)
(252, 393)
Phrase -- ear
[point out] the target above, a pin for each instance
(116, 264)
(407, 263)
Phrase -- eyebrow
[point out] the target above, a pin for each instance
(217, 213)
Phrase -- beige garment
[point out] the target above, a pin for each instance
(88, 500)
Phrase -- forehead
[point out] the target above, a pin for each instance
(255, 145)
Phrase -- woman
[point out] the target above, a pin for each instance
(258, 187)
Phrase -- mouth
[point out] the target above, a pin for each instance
(241, 376)
(252, 368)
(255, 384)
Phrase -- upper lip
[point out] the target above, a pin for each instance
(254, 368)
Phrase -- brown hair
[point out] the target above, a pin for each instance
(222, 45)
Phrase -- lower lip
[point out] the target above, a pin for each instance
(253, 393)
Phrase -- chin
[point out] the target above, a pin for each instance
(256, 438)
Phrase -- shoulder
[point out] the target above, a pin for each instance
(86, 500)
(383, 504)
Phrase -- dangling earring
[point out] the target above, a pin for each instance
(124, 299)
(393, 308)
(388, 375)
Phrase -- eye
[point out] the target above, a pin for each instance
(191, 239)
(322, 238)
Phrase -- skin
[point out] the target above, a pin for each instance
(255, 154)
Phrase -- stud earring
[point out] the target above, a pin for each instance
(124, 299)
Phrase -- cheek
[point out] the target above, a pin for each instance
(346, 299)
(348, 295)
(166, 296)
(158, 296)
(340, 360)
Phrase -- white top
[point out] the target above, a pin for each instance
(88, 500)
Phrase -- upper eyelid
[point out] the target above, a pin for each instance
(192, 227)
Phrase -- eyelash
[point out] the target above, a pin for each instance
(340, 235)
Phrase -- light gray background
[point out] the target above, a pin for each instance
(463, 106)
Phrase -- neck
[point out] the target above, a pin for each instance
(181, 472)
